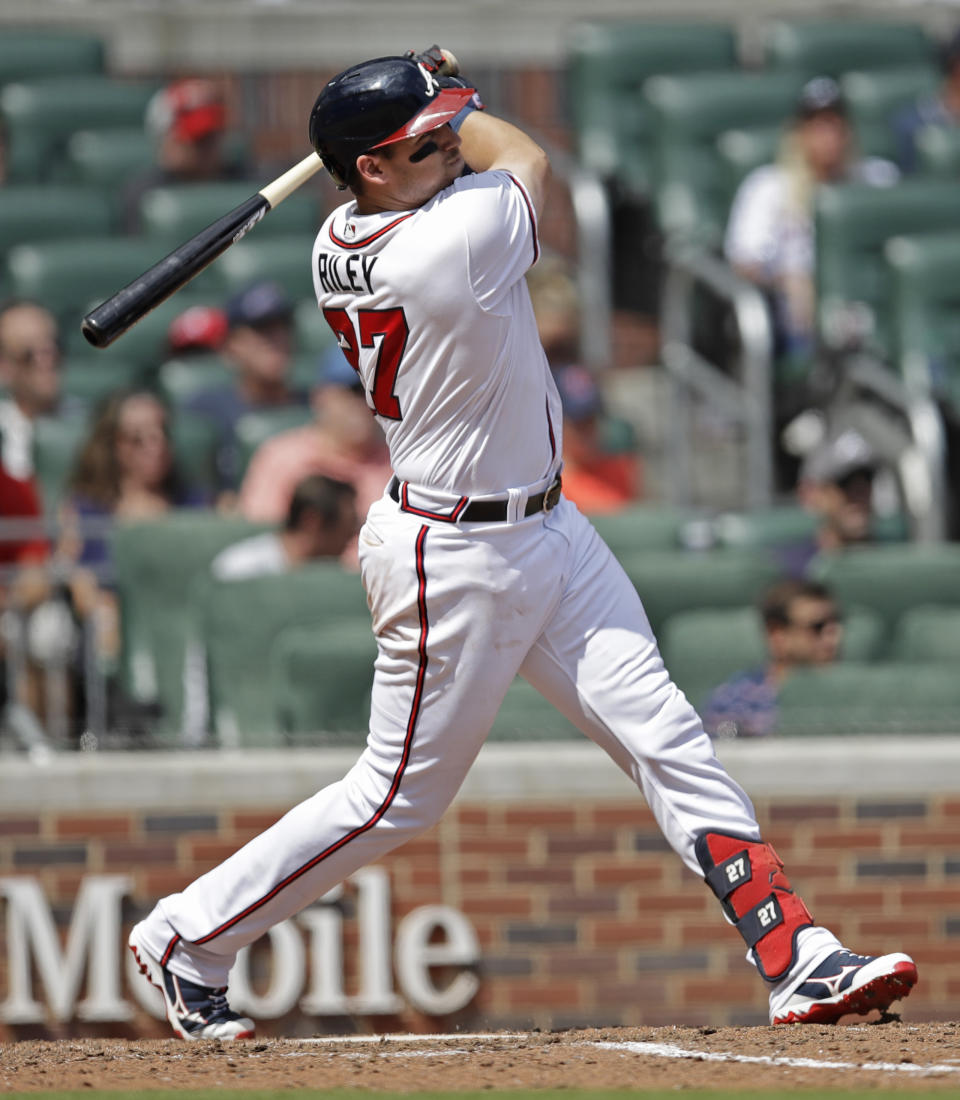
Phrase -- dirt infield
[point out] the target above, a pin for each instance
(890, 1055)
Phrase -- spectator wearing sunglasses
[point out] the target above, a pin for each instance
(802, 627)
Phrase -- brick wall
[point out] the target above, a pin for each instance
(583, 915)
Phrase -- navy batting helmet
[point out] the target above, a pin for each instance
(377, 103)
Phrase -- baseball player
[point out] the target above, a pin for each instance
(476, 568)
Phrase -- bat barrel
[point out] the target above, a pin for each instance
(118, 313)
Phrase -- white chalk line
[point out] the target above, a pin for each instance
(669, 1050)
(652, 1050)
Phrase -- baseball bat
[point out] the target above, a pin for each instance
(112, 318)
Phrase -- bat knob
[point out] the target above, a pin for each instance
(450, 66)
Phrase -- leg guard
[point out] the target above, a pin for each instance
(747, 877)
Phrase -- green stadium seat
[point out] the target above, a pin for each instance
(835, 46)
(526, 716)
(772, 526)
(51, 213)
(673, 581)
(643, 527)
(314, 335)
(91, 379)
(689, 114)
(156, 563)
(938, 151)
(925, 271)
(703, 648)
(928, 633)
(283, 259)
(71, 276)
(51, 109)
(195, 441)
(873, 96)
(108, 158)
(852, 224)
(606, 66)
(56, 444)
(887, 697)
(239, 622)
(321, 676)
(892, 578)
(173, 214)
(28, 53)
(183, 378)
(255, 428)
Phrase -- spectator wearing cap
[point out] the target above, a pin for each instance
(258, 348)
(596, 477)
(836, 486)
(343, 442)
(199, 330)
(187, 120)
(941, 109)
(770, 236)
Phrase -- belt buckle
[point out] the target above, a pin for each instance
(551, 498)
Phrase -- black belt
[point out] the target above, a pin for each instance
(487, 511)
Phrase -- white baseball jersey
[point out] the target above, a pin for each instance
(452, 366)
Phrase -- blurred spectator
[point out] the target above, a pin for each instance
(556, 306)
(259, 348)
(770, 235)
(802, 627)
(939, 109)
(835, 485)
(188, 120)
(321, 522)
(30, 372)
(596, 478)
(344, 442)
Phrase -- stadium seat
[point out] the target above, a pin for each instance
(689, 113)
(772, 526)
(873, 96)
(28, 53)
(239, 622)
(673, 581)
(69, 277)
(56, 443)
(181, 379)
(703, 648)
(91, 378)
(835, 46)
(255, 428)
(852, 224)
(925, 272)
(642, 527)
(314, 335)
(195, 441)
(321, 676)
(283, 259)
(938, 151)
(173, 214)
(156, 563)
(51, 212)
(51, 109)
(526, 716)
(607, 64)
(928, 633)
(887, 697)
(892, 578)
(108, 158)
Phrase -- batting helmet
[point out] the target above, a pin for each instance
(377, 103)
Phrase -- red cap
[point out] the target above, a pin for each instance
(442, 108)
(187, 109)
(200, 328)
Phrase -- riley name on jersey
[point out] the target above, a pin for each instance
(344, 273)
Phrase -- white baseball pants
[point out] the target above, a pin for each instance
(458, 611)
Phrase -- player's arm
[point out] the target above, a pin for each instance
(490, 142)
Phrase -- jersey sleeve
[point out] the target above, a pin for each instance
(498, 220)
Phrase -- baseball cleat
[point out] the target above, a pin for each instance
(845, 984)
(194, 1011)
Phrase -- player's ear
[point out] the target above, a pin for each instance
(369, 168)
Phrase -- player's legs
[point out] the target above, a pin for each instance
(610, 681)
(453, 618)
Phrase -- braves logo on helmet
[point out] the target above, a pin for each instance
(429, 79)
